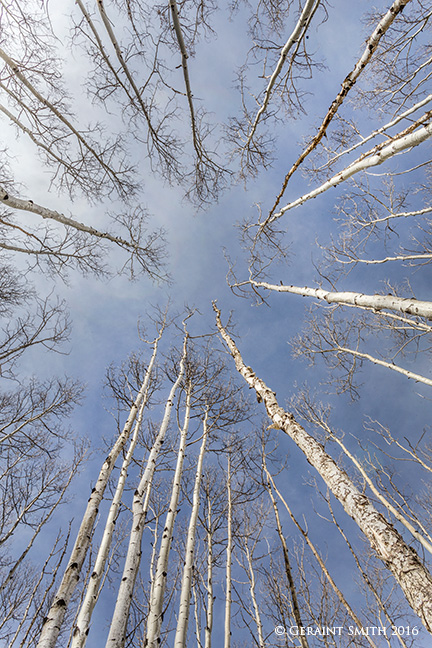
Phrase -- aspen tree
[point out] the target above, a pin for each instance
(116, 636)
(252, 527)
(208, 174)
(84, 159)
(210, 598)
(371, 46)
(411, 306)
(229, 553)
(55, 616)
(159, 581)
(38, 98)
(219, 406)
(407, 139)
(288, 570)
(146, 91)
(187, 577)
(416, 583)
(279, 33)
(119, 75)
(213, 521)
(299, 31)
(92, 591)
(81, 245)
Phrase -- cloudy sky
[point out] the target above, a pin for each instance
(105, 312)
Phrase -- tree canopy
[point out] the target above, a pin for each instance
(197, 167)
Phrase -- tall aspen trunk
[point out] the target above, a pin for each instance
(197, 616)
(252, 591)
(55, 616)
(371, 45)
(322, 564)
(228, 586)
(375, 302)
(90, 599)
(210, 600)
(159, 584)
(116, 636)
(376, 156)
(299, 30)
(388, 544)
(388, 365)
(288, 572)
(185, 594)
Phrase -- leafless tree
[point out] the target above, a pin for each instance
(356, 504)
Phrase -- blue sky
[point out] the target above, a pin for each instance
(105, 313)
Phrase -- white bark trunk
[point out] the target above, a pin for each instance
(185, 594)
(159, 584)
(388, 365)
(102, 49)
(321, 563)
(55, 616)
(298, 31)
(210, 599)
(371, 46)
(425, 256)
(229, 548)
(376, 302)
(90, 599)
(138, 94)
(252, 591)
(288, 572)
(184, 58)
(379, 131)
(116, 636)
(44, 212)
(390, 547)
(375, 157)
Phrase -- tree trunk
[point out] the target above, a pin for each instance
(229, 548)
(55, 616)
(375, 302)
(399, 558)
(84, 616)
(159, 584)
(183, 615)
(117, 633)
